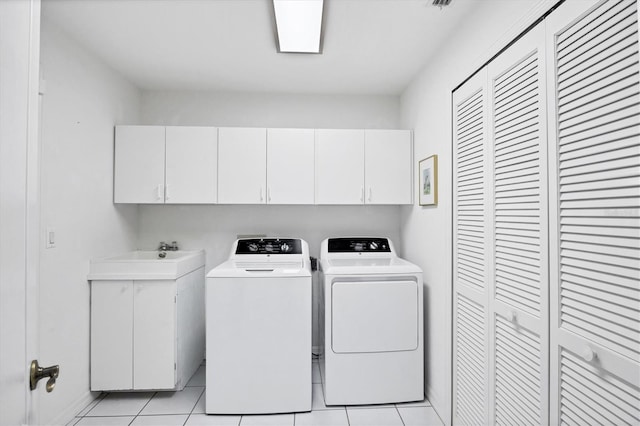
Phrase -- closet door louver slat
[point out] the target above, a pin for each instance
(595, 234)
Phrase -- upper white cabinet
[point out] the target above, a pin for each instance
(290, 166)
(387, 166)
(156, 165)
(339, 164)
(207, 165)
(191, 165)
(363, 167)
(139, 164)
(242, 167)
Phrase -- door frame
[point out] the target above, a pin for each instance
(19, 206)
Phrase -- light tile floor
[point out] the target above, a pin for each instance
(186, 408)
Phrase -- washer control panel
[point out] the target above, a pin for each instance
(269, 246)
(358, 245)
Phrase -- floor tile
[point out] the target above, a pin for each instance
(121, 404)
(419, 416)
(212, 420)
(267, 420)
(198, 378)
(322, 418)
(374, 417)
(424, 403)
(90, 405)
(180, 402)
(167, 420)
(315, 376)
(105, 421)
(317, 401)
(199, 408)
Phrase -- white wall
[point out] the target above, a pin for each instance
(83, 100)
(427, 231)
(214, 228)
(270, 110)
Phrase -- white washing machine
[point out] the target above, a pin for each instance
(258, 329)
(371, 322)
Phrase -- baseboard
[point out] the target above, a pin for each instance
(70, 412)
(440, 404)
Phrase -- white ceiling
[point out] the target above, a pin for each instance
(369, 47)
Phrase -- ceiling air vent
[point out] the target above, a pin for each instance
(441, 2)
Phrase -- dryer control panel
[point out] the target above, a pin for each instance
(358, 245)
(269, 246)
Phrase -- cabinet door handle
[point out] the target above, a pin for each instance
(268, 193)
(369, 193)
(362, 193)
(261, 196)
(159, 192)
(166, 192)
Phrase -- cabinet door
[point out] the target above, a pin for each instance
(339, 167)
(242, 166)
(139, 165)
(290, 166)
(593, 65)
(111, 335)
(387, 166)
(191, 165)
(154, 334)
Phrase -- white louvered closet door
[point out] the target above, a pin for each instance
(470, 257)
(518, 298)
(595, 196)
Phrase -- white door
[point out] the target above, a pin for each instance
(595, 235)
(290, 166)
(471, 224)
(387, 166)
(191, 170)
(242, 165)
(518, 299)
(19, 231)
(139, 164)
(339, 167)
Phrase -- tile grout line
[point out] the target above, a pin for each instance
(194, 406)
(143, 407)
(399, 415)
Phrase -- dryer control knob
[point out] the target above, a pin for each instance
(284, 248)
(373, 245)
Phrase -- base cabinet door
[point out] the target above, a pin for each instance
(154, 334)
(111, 335)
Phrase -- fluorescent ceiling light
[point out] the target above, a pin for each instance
(298, 24)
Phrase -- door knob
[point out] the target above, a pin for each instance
(37, 373)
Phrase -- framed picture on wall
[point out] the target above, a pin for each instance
(428, 185)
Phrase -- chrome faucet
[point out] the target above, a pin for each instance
(166, 247)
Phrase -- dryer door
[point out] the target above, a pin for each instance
(374, 316)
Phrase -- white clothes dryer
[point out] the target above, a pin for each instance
(258, 329)
(371, 323)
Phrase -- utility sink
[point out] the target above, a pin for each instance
(146, 265)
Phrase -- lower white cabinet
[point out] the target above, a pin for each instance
(146, 334)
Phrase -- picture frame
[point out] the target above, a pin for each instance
(428, 181)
